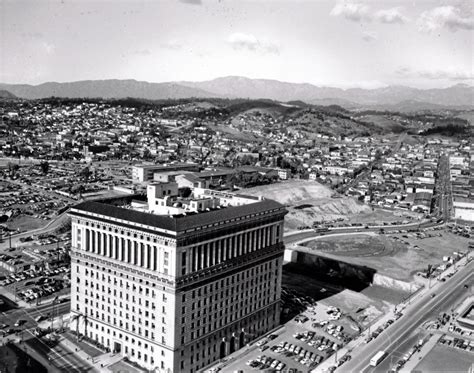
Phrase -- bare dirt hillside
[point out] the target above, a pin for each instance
(292, 192)
(308, 201)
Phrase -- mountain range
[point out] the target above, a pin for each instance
(459, 96)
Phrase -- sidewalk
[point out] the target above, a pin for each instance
(408, 303)
(418, 356)
(99, 363)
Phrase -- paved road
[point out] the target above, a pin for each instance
(57, 222)
(443, 183)
(30, 315)
(396, 338)
(295, 237)
(56, 358)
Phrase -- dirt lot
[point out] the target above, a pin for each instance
(315, 200)
(399, 258)
(26, 223)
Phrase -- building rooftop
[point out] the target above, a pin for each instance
(177, 223)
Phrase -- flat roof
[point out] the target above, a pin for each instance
(175, 223)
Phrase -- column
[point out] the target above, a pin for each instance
(234, 246)
(127, 251)
(146, 263)
(225, 249)
(133, 253)
(153, 258)
(87, 240)
(139, 257)
(201, 257)
(207, 254)
(93, 248)
(194, 258)
(114, 246)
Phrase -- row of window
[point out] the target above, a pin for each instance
(132, 348)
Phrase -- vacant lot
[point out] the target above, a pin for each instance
(25, 223)
(398, 258)
(312, 200)
(445, 359)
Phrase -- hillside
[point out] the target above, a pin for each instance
(459, 96)
(4, 94)
(106, 89)
(317, 197)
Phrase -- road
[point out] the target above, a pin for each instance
(56, 358)
(443, 187)
(295, 237)
(394, 340)
(57, 222)
(30, 315)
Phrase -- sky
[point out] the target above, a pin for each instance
(348, 43)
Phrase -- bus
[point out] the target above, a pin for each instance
(377, 358)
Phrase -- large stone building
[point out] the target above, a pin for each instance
(177, 283)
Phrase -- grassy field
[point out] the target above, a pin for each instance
(399, 259)
(445, 359)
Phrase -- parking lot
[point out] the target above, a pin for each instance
(36, 286)
(302, 344)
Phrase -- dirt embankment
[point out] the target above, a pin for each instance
(309, 201)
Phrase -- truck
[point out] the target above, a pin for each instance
(377, 358)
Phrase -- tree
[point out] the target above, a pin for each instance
(85, 173)
(75, 318)
(13, 168)
(44, 165)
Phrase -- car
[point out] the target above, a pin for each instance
(433, 295)
(466, 286)
(19, 322)
(3, 326)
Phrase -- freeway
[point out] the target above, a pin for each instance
(394, 339)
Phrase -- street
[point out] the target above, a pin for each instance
(395, 340)
(295, 237)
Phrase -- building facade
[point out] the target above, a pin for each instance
(176, 293)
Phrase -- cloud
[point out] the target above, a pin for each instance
(356, 12)
(352, 11)
(192, 2)
(142, 52)
(449, 74)
(32, 35)
(369, 36)
(392, 15)
(173, 45)
(448, 16)
(249, 42)
(49, 48)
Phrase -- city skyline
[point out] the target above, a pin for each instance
(424, 44)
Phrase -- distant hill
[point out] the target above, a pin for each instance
(5, 94)
(389, 98)
(106, 89)
(235, 86)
